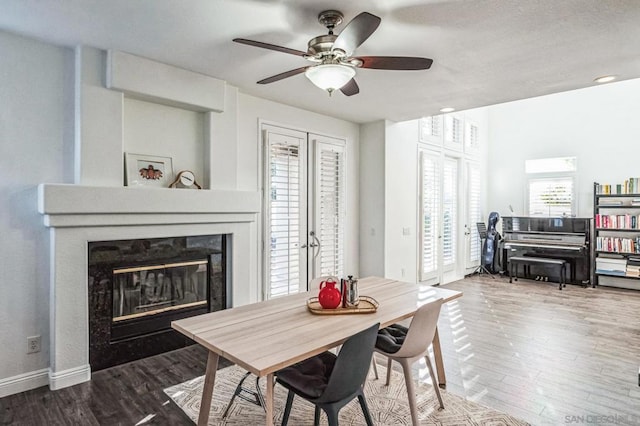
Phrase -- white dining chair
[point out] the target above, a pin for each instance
(407, 345)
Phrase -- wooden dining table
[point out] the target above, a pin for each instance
(267, 336)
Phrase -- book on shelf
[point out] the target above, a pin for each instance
(633, 271)
(618, 244)
(609, 203)
(629, 186)
(620, 221)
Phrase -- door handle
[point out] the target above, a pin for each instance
(315, 244)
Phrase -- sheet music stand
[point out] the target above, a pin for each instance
(482, 232)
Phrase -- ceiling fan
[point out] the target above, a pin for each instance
(334, 67)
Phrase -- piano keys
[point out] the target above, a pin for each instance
(551, 237)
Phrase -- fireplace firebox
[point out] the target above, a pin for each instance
(137, 287)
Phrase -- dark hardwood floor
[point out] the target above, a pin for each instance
(544, 355)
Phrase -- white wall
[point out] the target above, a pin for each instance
(372, 199)
(598, 125)
(33, 149)
(155, 129)
(401, 188)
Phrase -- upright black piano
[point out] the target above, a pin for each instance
(564, 238)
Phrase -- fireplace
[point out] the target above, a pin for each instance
(137, 287)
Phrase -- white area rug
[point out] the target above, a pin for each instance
(388, 404)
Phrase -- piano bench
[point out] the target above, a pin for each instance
(528, 261)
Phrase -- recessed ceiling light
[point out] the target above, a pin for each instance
(447, 109)
(605, 79)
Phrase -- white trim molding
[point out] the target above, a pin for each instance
(24, 382)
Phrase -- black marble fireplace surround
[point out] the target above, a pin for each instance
(137, 287)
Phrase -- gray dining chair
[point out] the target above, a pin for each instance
(330, 382)
(407, 345)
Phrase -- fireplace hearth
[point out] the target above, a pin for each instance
(137, 287)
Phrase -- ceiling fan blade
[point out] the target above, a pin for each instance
(395, 62)
(270, 46)
(356, 32)
(351, 88)
(283, 75)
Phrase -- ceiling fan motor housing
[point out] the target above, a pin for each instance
(321, 45)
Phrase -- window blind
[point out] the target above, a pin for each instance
(472, 137)
(332, 209)
(284, 218)
(454, 130)
(551, 196)
(430, 196)
(450, 211)
(473, 199)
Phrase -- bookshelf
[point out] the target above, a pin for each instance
(616, 245)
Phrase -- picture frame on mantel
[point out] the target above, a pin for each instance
(143, 170)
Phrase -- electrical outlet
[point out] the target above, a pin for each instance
(402, 272)
(33, 344)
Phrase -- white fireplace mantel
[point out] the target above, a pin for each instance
(61, 203)
(77, 214)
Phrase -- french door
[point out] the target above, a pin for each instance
(304, 206)
(439, 217)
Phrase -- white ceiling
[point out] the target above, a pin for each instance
(485, 51)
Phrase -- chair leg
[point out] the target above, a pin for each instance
(287, 408)
(365, 409)
(434, 381)
(316, 416)
(389, 360)
(411, 393)
(375, 367)
(332, 415)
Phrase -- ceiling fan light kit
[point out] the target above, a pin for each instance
(334, 68)
(330, 77)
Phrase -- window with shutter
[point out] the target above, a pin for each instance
(284, 204)
(330, 190)
(453, 131)
(450, 211)
(473, 202)
(551, 196)
(551, 186)
(430, 129)
(430, 199)
(471, 137)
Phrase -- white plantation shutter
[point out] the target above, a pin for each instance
(284, 199)
(431, 129)
(473, 202)
(453, 131)
(450, 211)
(430, 223)
(472, 137)
(551, 196)
(330, 199)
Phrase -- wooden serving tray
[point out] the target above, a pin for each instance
(367, 305)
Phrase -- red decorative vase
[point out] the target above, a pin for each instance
(329, 296)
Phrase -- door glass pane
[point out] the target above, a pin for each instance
(430, 195)
(330, 190)
(284, 216)
(449, 210)
(473, 201)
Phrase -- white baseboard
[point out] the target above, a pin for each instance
(44, 377)
(70, 377)
(24, 382)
